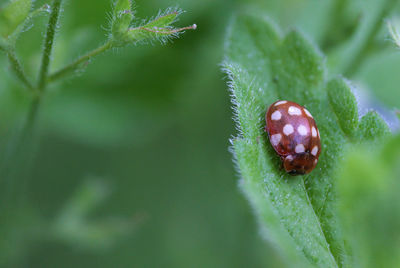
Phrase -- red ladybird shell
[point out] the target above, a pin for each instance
(294, 135)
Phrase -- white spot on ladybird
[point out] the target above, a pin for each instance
(299, 148)
(294, 110)
(314, 150)
(276, 115)
(289, 157)
(288, 129)
(314, 132)
(302, 130)
(280, 102)
(307, 113)
(275, 139)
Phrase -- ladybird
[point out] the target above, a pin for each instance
(294, 136)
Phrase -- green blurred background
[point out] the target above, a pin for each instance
(132, 167)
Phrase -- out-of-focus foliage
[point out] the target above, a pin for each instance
(369, 204)
(12, 15)
(145, 120)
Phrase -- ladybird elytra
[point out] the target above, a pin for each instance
(294, 136)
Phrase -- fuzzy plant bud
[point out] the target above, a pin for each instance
(122, 18)
(159, 28)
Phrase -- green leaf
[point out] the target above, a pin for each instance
(372, 126)
(159, 28)
(164, 20)
(296, 213)
(122, 17)
(12, 15)
(344, 105)
(370, 204)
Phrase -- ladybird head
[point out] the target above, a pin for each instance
(299, 164)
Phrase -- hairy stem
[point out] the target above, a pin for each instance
(359, 58)
(75, 64)
(27, 132)
(17, 69)
(48, 43)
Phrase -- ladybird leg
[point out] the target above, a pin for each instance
(282, 167)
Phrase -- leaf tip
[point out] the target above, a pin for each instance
(373, 127)
(344, 104)
(309, 59)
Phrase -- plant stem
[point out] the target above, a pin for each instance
(74, 65)
(18, 160)
(17, 69)
(27, 132)
(359, 58)
(44, 70)
(31, 117)
(48, 44)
